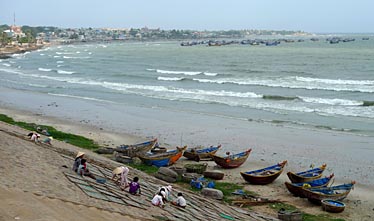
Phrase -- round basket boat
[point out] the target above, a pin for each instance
(196, 168)
(332, 206)
(214, 174)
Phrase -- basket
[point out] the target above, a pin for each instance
(196, 168)
(332, 206)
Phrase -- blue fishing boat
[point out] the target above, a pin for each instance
(162, 159)
(264, 176)
(306, 176)
(200, 153)
(295, 188)
(134, 150)
(339, 192)
(231, 161)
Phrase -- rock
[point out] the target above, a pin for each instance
(136, 161)
(212, 193)
(166, 178)
(167, 172)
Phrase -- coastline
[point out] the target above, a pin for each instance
(128, 125)
(7, 52)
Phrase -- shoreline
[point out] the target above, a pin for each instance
(347, 155)
(311, 143)
(8, 52)
(361, 195)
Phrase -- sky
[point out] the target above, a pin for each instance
(316, 16)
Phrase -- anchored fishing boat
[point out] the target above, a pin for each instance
(200, 153)
(264, 176)
(231, 161)
(162, 159)
(295, 188)
(306, 176)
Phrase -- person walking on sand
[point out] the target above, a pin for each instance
(120, 173)
(83, 171)
(77, 161)
(135, 187)
(181, 202)
(158, 200)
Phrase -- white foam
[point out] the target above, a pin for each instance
(210, 74)
(6, 64)
(335, 81)
(178, 72)
(291, 82)
(59, 62)
(342, 102)
(65, 72)
(170, 79)
(44, 69)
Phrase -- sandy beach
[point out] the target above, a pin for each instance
(347, 155)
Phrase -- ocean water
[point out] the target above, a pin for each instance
(303, 84)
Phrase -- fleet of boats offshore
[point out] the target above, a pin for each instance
(307, 184)
(267, 42)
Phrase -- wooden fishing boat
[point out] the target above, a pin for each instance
(231, 161)
(315, 195)
(200, 153)
(136, 149)
(162, 159)
(264, 176)
(332, 206)
(295, 188)
(306, 176)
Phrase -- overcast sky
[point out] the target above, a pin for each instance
(307, 15)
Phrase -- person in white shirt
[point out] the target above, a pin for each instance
(158, 199)
(167, 190)
(180, 201)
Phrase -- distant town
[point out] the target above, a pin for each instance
(18, 39)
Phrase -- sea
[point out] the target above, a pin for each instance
(311, 84)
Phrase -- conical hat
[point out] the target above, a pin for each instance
(118, 170)
(79, 154)
(51, 138)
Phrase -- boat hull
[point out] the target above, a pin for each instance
(197, 154)
(231, 161)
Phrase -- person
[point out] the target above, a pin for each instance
(120, 173)
(48, 140)
(180, 201)
(158, 200)
(77, 160)
(167, 189)
(135, 187)
(83, 171)
(35, 137)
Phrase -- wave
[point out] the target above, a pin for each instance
(335, 81)
(80, 97)
(44, 69)
(65, 72)
(210, 74)
(170, 79)
(59, 62)
(277, 97)
(69, 57)
(364, 86)
(368, 103)
(6, 64)
(178, 72)
(330, 107)
(60, 53)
